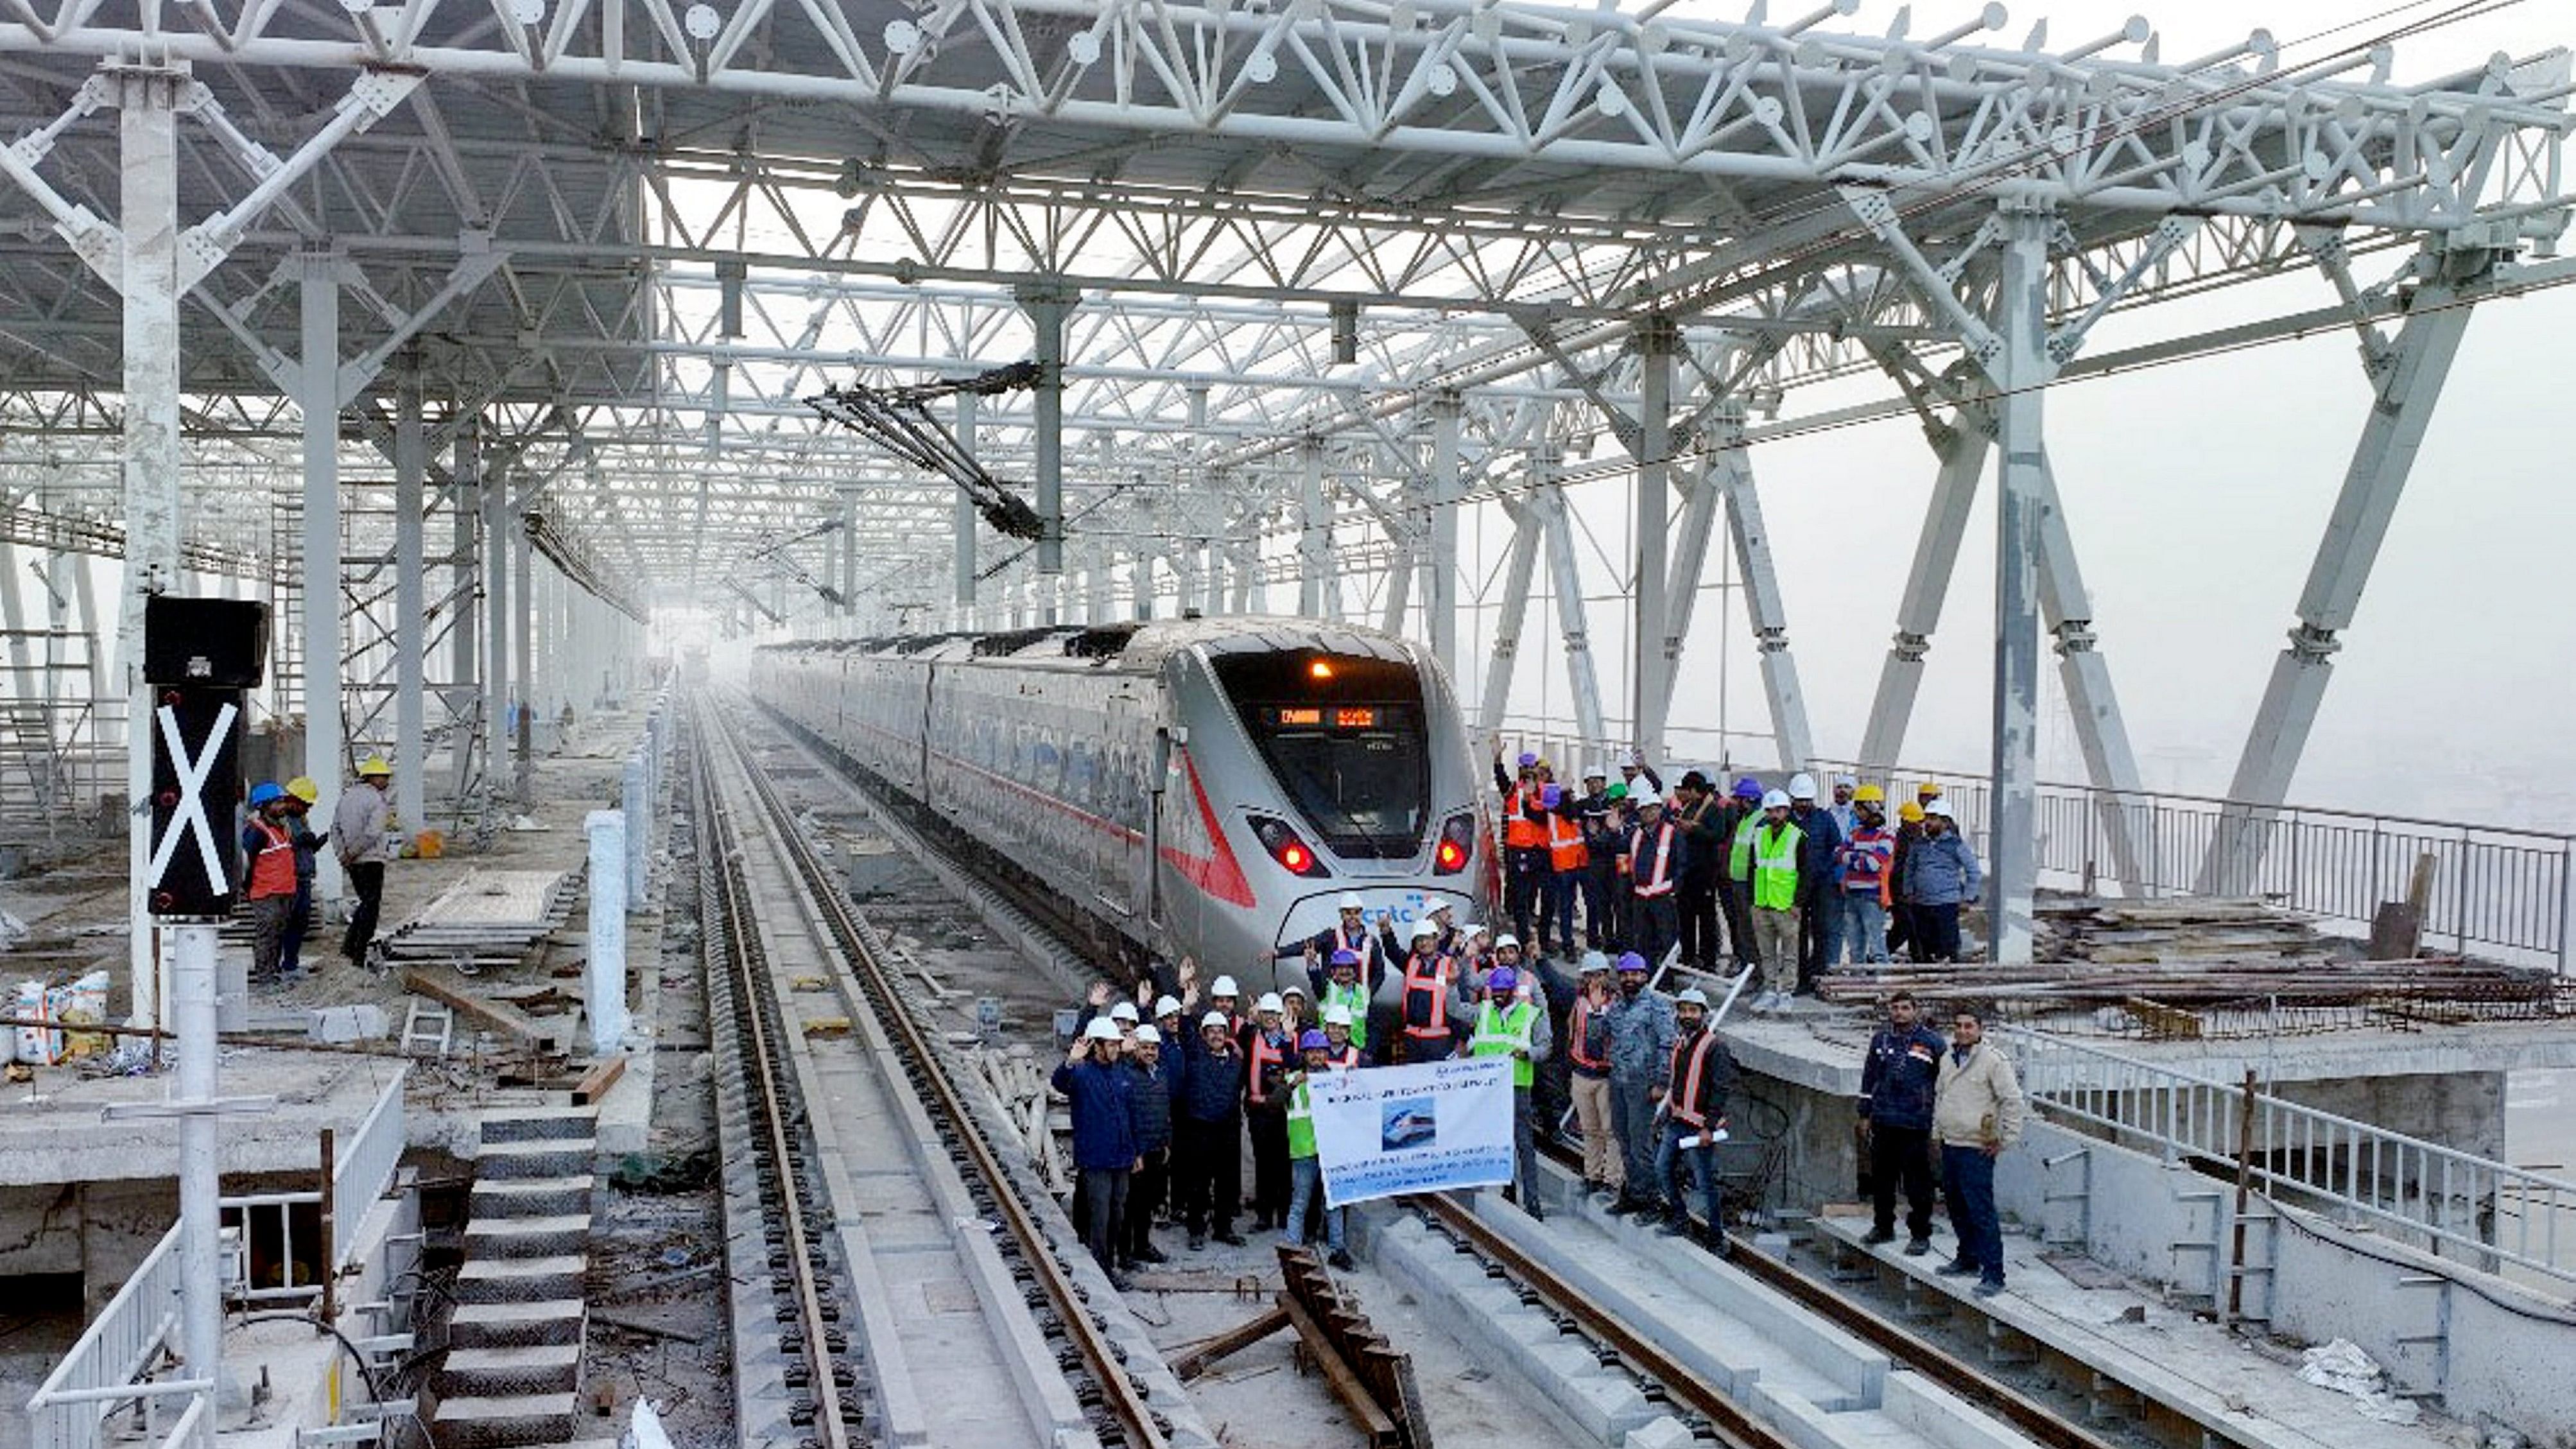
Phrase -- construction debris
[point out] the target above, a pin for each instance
(2092, 928)
(486, 918)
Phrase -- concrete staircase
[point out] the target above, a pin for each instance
(513, 1368)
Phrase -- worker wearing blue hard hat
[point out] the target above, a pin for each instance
(1305, 1170)
(268, 877)
(1510, 1024)
(1641, 1034)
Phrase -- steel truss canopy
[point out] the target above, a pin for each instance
(618, 240)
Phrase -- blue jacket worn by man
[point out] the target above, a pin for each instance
(1211, 1085)
(1819, 841)
(1149, 1105)
(1642, 1029)
(1897, 1079)
(1104, 1115)
(1941, 870)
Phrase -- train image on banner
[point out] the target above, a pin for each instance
(1198, 787)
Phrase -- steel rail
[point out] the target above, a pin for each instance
(1920, 1354)
(863, 966)
(1735, 1427)
(720, 855)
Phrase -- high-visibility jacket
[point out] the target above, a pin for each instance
(272, 871)
(1519, 831)
(1266, 1058)
(1775, 866)
(1301, 1121)
(1355, 998)
(1692, 1101)
(1498, 1032)
(1657, 878)
(1565, 848)
(1426, 997)
(1578, 1050)
(1348, 1057)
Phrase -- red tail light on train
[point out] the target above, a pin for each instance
(1288, 848)
(1457, 841)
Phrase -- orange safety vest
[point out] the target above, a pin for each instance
(1262, 1054)
(1687, 1078)
(1565, 848)
(272, 871)
(1424, 979)
(1577, 1028)
(1661, 881)
(1519, 831)
(1349, 1058)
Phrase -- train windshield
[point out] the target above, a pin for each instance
(1343, 736)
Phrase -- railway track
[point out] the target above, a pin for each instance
(895, 1325)
(1725, 1418)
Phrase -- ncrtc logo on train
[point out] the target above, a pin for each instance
(1208, 788)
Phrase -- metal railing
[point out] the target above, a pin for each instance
(364, 1167)
(2499, 892)
(2451, 1203)
(124, 1341)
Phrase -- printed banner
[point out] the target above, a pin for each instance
(1420, 1128)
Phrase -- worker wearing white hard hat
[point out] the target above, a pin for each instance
(1270, 1058)
(1350, 932)
(1820, 844)
(1154, 1089)
(1095, 1085)
(1166, 1009)
(1650, 871)
(1694, 1120)
(1587, 1056)
(1207, 1134)
(1774, 847)
(1124, 1011)
(1430, 1010)
(1340, 1030)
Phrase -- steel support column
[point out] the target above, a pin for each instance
(2407, 379)
(1961, 445)
(2066, 607)
(1318, 597)
(318, 398)
(1731, 474)
(2021, 370)
(495, 510)
(465, 499)
(1047, 308)
(522, 655)
(411, 594)
(1439, 561)
(1658, 340)
(148, 217)
(1529, 529)
(1573, 617)
(1700, 501)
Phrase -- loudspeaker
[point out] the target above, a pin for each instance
(218, 643)
(202, 870)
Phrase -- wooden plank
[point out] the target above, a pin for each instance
(1227, 1344)
(595, 1083)
(492, 1014)
(1376, 1425)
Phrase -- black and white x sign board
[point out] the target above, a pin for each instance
(189, 820)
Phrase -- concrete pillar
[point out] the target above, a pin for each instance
(603, 976)
(464, 564)
(411, 594)
(148, 219)
(192, 991)
(636, 795)
(2021, 372)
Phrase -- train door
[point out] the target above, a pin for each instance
(1126, 756)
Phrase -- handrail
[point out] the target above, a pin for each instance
(2504, 890)
(2489, 1212)
(366, 1165)
(119, 1344)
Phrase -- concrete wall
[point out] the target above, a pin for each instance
(2461, 1110)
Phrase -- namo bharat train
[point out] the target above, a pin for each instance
(1200, 787)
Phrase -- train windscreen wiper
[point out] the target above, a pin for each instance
(899, 419)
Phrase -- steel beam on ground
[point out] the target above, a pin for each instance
(2407, 380)
(411, 595)
(2021, 368)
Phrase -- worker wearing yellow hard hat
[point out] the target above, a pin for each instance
(1869, 795)
(1909, 834)
(359, 823)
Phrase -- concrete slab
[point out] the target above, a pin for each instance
(55, 1130)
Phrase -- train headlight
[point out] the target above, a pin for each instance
(1287, 847)
(1457, 843)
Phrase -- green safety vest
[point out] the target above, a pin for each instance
(1356, 997)
(1498, 1032)
(1301, 1122)
(1775, 866)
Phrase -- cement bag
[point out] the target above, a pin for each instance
(35, 1045)
(83, 1003)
